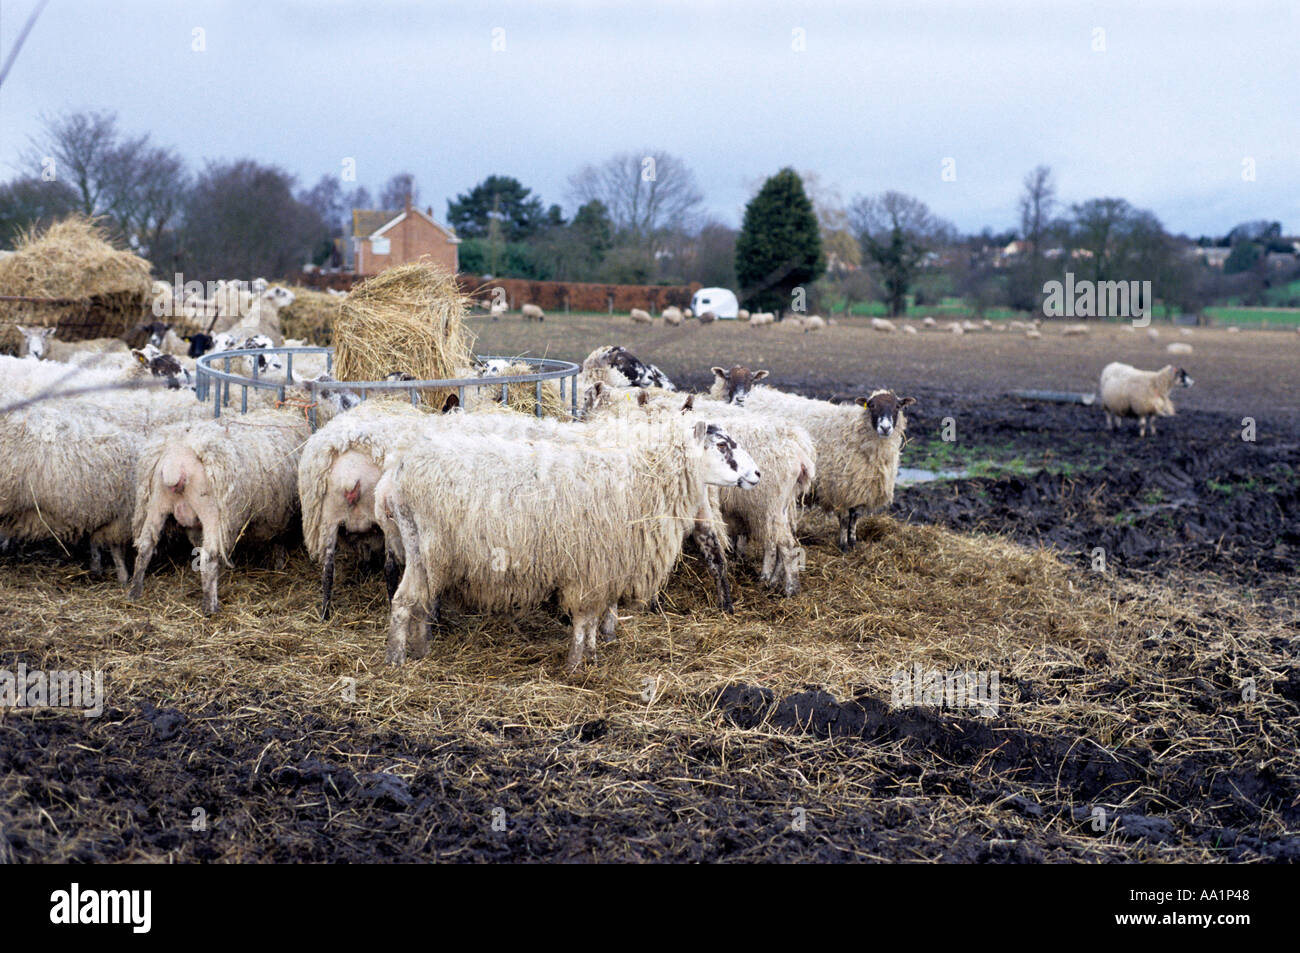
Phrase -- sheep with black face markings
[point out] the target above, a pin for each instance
(627, 370)
(1128, 392)
(593, 522)
(858, 449)
(783, 453)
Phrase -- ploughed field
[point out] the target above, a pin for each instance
(1136, 600)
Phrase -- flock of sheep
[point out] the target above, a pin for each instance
(593, 512)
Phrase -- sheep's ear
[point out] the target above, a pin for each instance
(598, 388)
(690, 404)
(701, 431)
(139, 355)
(907, 402)
(719, 372)
(48, 332)
(860, 401)
(22, 329)
(450, 404)
(759, 375)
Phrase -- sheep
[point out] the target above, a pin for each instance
(531, 312)
(857, 449)
(743, 315)
(672, 316)
(40, 343)
(223, 480)
(956, 328)
(1033, 334)
(814, 322)
(783, 453)
(1153, 334)
(498, 308)
(909, 329)
(761, 318)
(1128, 392)
(1074, 330)
(625, 368)
(261, 316)
(68, 475)
(337, 473)
(986, 324)
(1179, 347)
(1234, 330)
(928, 321)
(969, 326)
(641, 317)
(592, 523)
(708, 317)
(688, 313)
(883, 324)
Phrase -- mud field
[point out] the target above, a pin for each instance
(1148, 705)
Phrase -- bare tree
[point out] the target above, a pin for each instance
(646, 194)
(896, 231)
(397, 190)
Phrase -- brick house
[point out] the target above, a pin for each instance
(382, 238)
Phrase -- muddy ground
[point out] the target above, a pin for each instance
(1195, 514)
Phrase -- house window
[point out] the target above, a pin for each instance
(379, 246)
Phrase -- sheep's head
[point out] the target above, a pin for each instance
(737, 382)
(34, 341)
(882, 409)
(154, 332)
(1182, 378)
(725, 462)
(278, 296)
(265, 362)
(199, 344)
(164, 366)
(594, 397)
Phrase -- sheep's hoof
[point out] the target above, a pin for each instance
(729, 607)
(395, 656)
(210, 607)
(136, 592)
(326, 611)
(845, 547)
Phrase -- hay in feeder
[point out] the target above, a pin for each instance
(523, 397)
(406, 320)
(104, 292)
(312, 315)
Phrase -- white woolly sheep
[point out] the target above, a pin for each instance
(640, 317)
(928, 321)
(1179, 347)
(883, 324)
(627, 370)
(592, 523)
(743, 315)
(909, 329)
(857, 449)
(760, 319)
(40, 343)
(814, 322)
(1128, 392)
(531, 312)
(1074, 330)
(68, 475)
(672, 315)
(223, 480)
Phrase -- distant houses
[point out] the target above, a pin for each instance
(381, 239)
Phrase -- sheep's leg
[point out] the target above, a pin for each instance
(741, 541)
(609, 623)
(716, 560)
(209, 572)
(96, 560)
(327, 577)
(279, 556)
(584, 640)
(117, 551)
(399, 622)
(855, 514)
(392, 574)
(1142, 426)
(845, 544)
(145, 544)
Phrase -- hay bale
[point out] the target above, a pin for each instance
(312, 315)
(107, 291)
(408, 319)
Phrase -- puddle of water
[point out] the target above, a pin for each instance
(909, 475)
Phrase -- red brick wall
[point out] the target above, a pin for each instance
(581, 296)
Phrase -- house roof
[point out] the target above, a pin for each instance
(368, 223)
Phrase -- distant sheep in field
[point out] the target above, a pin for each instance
(760, 318)
(223, 480)
(1033, 334)
(814, 322)
(883, 324)
(1128, 392)
(1153, 334)
(909, 329)
(497, 308)
(708, 317)
(928, 322)
(672, 315)
(688, 313)
(531, 312)
(1236, 330)
(969, 326)
(1074, 330)
(1179, 347)
(640, 316)
(743, 315)
(956, 328)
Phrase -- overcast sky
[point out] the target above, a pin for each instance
(881, 94)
